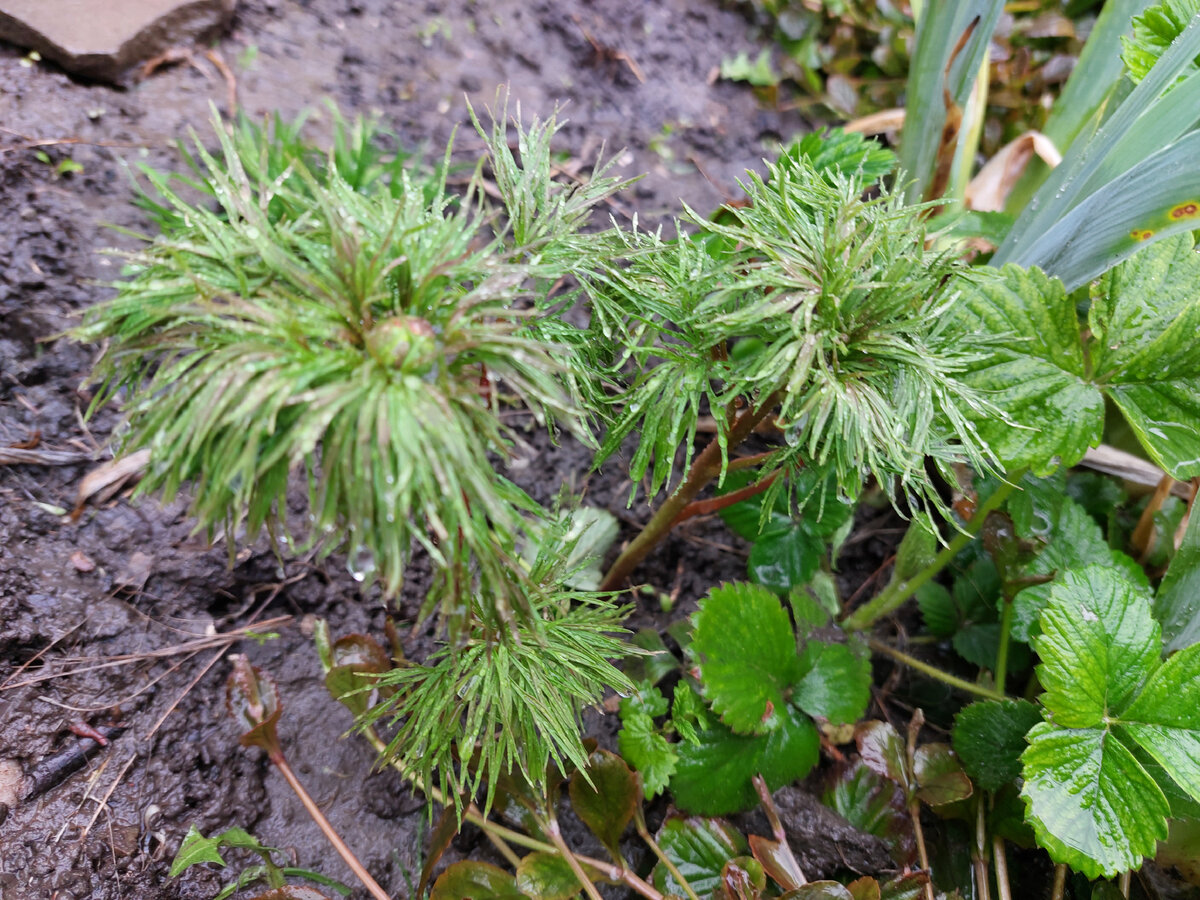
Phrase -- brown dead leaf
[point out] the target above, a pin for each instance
(104, 481)
(989, 189)
(82, 562)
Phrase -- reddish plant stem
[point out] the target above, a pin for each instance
(705, 467)
(716, 504)
(327, 829)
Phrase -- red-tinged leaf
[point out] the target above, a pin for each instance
(776, 862)
(699, 848)
(475, 881)
(882, 749)
(742, 878)
(607, 804)
(905, 887)
(819, 890)
(253, 701)
(443, 834)
(865, 888)
(939, 776)
(355, 658)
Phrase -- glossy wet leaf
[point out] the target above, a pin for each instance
(1097, 645)
(1153, 32)
(1145, 323)
(1177, 603)
(874, 804)
(783, 560)
(439, 839)
(253, 700)
(747, 654)
(882, 750)
(836, 684)
(1074, 541)
(714, 776)
(354, 658)
(939, 776)
(699, 848)
(904, 887)
(477, 881)
(779, 864)
(1090, 803)
(658, 661)
(605, 805)
(1036, 374)
(743, 878)
(989, 738)
(546, 876)
(864, 888)
(1109, 698)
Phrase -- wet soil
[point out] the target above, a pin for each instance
(130, 578)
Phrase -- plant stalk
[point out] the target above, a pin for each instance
(890, 598)
(556, 838)
(934, 672)
(705, 467)
(1006, 617)
(914, 805)
(1000, 860)
(327, 829)
(979, 850)
(1060, 882)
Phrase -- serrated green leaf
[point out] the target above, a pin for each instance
(939, 776)
(747, 654)
(849, 153)
(645, 748)
(811, 606)
(1091, 804)
(836, 684)
(544, 876)
(784, 560)
(605, 800)
(989, 738)
(195, 849)
(1097, 644)
(1145, 319)
(1164, 718)
(689, 714)
(1177, 603)
(1036, 373)
(1153, 32)
(699, 848)
(1075, 541)
(477, 880)
(714, 776)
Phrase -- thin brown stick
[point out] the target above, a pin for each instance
(716, 504)
(556, 838)
(914, 805)
(1000, 861)
(327, 829)
(1060, 882)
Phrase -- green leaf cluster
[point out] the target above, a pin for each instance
(760, 690)
(1122, 726)
(812, 301)
(1051, 376)
(1153, 32)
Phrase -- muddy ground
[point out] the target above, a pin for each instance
(130, 577)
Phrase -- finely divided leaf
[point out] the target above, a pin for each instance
(747, 656)
(1036, 374)
(644, 747)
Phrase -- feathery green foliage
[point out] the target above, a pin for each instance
(347, 319)
(812, 299)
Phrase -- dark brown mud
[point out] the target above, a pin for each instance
(130, 577)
